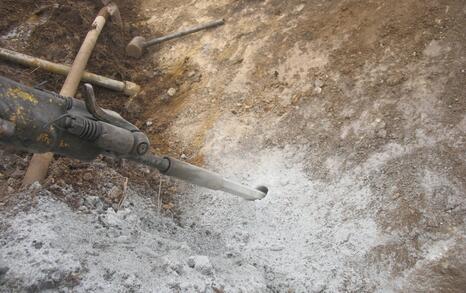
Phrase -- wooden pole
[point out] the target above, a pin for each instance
(39, 165)
(127, 87)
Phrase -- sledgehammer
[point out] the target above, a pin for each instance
(137, 45)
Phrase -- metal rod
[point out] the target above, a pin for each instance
(200, 176)
(127, 87)
(184, 32)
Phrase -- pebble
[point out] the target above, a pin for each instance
(149, 123)
(171, 92)
(115, 192)
(87, 176)
(299, 8)
(17, 174)
(37, 244)
(381, 133)
(183, 157)
(93, 202)
(11, 181)
(35, 186)
(276, 248)
(82, 209)
(201, 263)
(4, 270)
(284, 182)
(165, 98)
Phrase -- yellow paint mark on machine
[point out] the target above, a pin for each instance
(17, 92)
(18, 116)
(44, 137)
(63, 144)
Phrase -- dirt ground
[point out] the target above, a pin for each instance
(352, 112)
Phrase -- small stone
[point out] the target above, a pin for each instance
(381, 133)
(183, 157)
(171, 92)
(165, 98)
(201, 263)
(87, 176)
(168, 206)
(115, 192)
(133, 107)
(35, 186)
(10, 190)
(37, 244)
(3, 270)
(17, 174)
(149, 123)
(318, 90)
(93, 202)
(11, 181)
(299, 8)
(195, 76)
(284, 182)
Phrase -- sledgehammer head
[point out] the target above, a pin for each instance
(135, 48)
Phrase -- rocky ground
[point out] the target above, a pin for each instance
(352, 112)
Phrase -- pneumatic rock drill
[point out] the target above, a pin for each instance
(38, 121)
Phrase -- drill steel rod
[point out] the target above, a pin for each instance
(184, 32)
(200, 176)
(39, 165)
(127, 87)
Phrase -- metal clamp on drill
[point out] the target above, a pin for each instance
(107, 129)
(37, 121)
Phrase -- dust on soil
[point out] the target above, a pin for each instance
(352, 112)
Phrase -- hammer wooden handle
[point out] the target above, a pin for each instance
(39, 164)
(188, 31)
